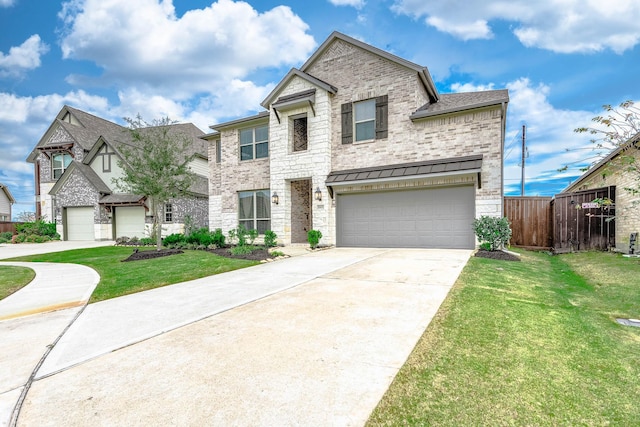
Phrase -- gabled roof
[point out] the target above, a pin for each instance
(7, 192)
(454, 102)
(631, 143)
(90, 128)
(422, 72)
(260, 117)
(294, 72)
(86, 171)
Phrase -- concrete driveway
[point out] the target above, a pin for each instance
(310, 340)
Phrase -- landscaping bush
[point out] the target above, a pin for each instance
(492, 231)
(173, 240)
(147, 241)
(200, 237)
(36, 232)
(270, 239)
(314, 236)
(218, 238)
(6, 237)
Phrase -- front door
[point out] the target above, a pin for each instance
(300, 210)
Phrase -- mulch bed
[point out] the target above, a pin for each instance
(256, 255)
(501, 255)
(140, 255)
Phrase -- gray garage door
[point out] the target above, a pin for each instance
(80, 224)
(433, 218)
(130, 221)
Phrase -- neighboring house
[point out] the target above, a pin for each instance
(610, 171)
(359, 144)
(6, 200)
(75, 163)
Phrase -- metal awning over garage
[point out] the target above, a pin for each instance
(404, 171)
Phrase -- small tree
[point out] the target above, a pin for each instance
(619, 130)
(313, 237)
(155, 165)
(492, 232)
(25, 216)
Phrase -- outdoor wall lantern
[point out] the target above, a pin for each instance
(274, 198)
(318, 194)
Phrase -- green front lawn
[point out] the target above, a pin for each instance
(13, 279)
(527, 343)
(119, 278)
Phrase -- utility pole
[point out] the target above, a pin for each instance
(524, 148)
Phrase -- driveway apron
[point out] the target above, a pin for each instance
(310, 340)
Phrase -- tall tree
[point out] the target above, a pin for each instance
(155, 165)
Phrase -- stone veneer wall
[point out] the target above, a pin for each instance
(627, 217)
(313, 164)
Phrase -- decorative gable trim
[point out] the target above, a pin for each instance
(294, 72)
(84, 170)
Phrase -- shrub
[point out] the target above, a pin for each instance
(270, 239)
(38, 228)
(6, 237)
(314, 236)
(147, 241)
(217, 238)
(493, 231)
(200, 237)
(239, 235)
(252, 234)
(242, 249)
(173, 240)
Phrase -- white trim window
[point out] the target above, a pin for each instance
(168, 212)
(59, 163)
(254, 210)
(254, 143)
(364, 119)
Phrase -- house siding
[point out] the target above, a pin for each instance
(5, 206)
(627, 216)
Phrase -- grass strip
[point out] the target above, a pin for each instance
(13, 279)
(526, 343)
(119, 278)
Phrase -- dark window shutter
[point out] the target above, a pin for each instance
(347, 123)
(382, 113)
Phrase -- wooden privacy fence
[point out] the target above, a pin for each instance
(8, 226)
(531, 221)
(580, 224)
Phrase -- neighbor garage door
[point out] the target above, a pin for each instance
(80, 224)
(130, 221)
(427, 218)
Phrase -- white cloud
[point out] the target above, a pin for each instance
(558, 25)
(22, 58)
(6, 3)
(358, 4)
(144, 43)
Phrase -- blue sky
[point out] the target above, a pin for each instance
(206, 62)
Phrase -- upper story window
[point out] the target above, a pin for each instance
(254, 143)
(60, 162)
(365, 120)
(299, 133)
(218, 151)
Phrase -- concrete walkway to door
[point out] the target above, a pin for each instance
(316, 340)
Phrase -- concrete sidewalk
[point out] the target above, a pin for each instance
(25, 249)
(310, 340)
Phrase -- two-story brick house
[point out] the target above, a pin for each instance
(359, 144)
(75, 163)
